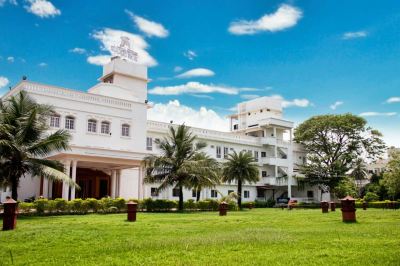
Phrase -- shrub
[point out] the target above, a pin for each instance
(79, 206)
(105, 204)
(40, 205)
(208, 205)
(119, 203)
(61, 205)
(25, 207)
(190, 205)
(371, 196)
(248, 203)
(92, 204)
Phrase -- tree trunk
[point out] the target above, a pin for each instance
(239, 193)
(198, 195)
(180, 206)
(14, 188)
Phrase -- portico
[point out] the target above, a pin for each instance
(97, 176)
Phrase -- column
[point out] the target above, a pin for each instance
(290, 165)
(274, 128)
(113, 182)
(118, 184)
(65, 188)
(45, 188)
(74, 165)
(50, 189)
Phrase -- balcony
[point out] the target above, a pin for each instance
(274, 142)
(274, 161)
(274, 181)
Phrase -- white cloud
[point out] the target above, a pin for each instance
(193, 87)
(393, 100)
(98, 60)
(178, 69)
(249, 96)
(150, 28)
(377, 114)
(179, 114)
(189, 54)
(204, 96)
(3, 2)
(78, 50)
(354, 35)
(42, 64)
(42, 8)
(335, 105)
(293, 103)
(10, 59)
(197, 72)
(3, 82)
(285, 17)
(110, 37)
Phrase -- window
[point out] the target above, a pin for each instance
(310, 194)
(246, 194)
(154, 192)
(226, 152)
(194, 193)
(230, 191)
(218, 149)
(125, 130)
(55, 121)
(260, 193)
(70, 122)
(256, 156)
(214, 193)
(149, 144)
(105, 127)
(175, 192)
(92, 126)
(263, 154)
(264, 173)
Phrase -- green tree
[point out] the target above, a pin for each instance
(25, 142)
(333, 144)
(240, 167)
(359, 172)
(391, 178)
(204, 173)
(181, 163)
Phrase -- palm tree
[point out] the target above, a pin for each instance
(204, 174)
(25, 144)
(180, 164)
(240, 167)
(359, 172)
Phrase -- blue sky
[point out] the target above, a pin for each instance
(311, 53)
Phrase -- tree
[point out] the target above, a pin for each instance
(240, 167)
(181, 163)
(333, 144)
(25, 142)
(359, 172)
(204, 174)
(391, 178)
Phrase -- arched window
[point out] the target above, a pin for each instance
(105, 127)
(70, 122)
(92, 125)
(125, 130)
(55, 120)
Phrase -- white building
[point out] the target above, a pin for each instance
(111, 135)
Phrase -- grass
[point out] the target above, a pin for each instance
(256, 237)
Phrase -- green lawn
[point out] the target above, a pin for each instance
(256, 237)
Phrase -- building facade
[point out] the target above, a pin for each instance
(111, 135)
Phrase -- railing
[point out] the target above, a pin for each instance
(207, 133)
(76, 95)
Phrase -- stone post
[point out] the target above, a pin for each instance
(324, 206)
(333, 206)
(223, 208)
(10, 214)
(131, 209)
(348, 209)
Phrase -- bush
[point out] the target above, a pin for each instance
(119, 203)
(208, 205)
(40, 205)
(371, 196)
(79, 206)
(61, 205)
(92, 204)
(190, 205)
(25, 207)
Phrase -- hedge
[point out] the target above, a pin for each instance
(109, 205)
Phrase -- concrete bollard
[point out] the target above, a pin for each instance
(10, 214)
(223, 208)
(324, 206)
(131, 209)
(333, 206)
(348, 209)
